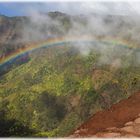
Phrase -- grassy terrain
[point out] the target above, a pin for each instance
(59, 88)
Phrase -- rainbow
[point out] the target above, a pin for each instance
(57, 42)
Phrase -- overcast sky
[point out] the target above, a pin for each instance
(121, 8)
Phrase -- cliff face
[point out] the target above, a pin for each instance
(15, 32)
(10, 33)
(121, 120)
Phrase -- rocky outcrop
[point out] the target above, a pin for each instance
(121, 120)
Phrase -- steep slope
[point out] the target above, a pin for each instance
(121, 120)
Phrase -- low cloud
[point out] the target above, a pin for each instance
(119, 20)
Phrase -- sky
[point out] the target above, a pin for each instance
(20, 9)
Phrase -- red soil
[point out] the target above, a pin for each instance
(120, 113)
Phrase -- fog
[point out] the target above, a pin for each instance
(113, 20)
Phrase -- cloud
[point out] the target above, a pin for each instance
(100, 19)
(119, 8)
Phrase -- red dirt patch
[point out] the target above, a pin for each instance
(119, 114)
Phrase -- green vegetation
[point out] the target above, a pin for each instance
(58, 89)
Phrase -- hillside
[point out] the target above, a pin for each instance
(49, 92)
(121, 120)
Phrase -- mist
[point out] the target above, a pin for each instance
(99, 20)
